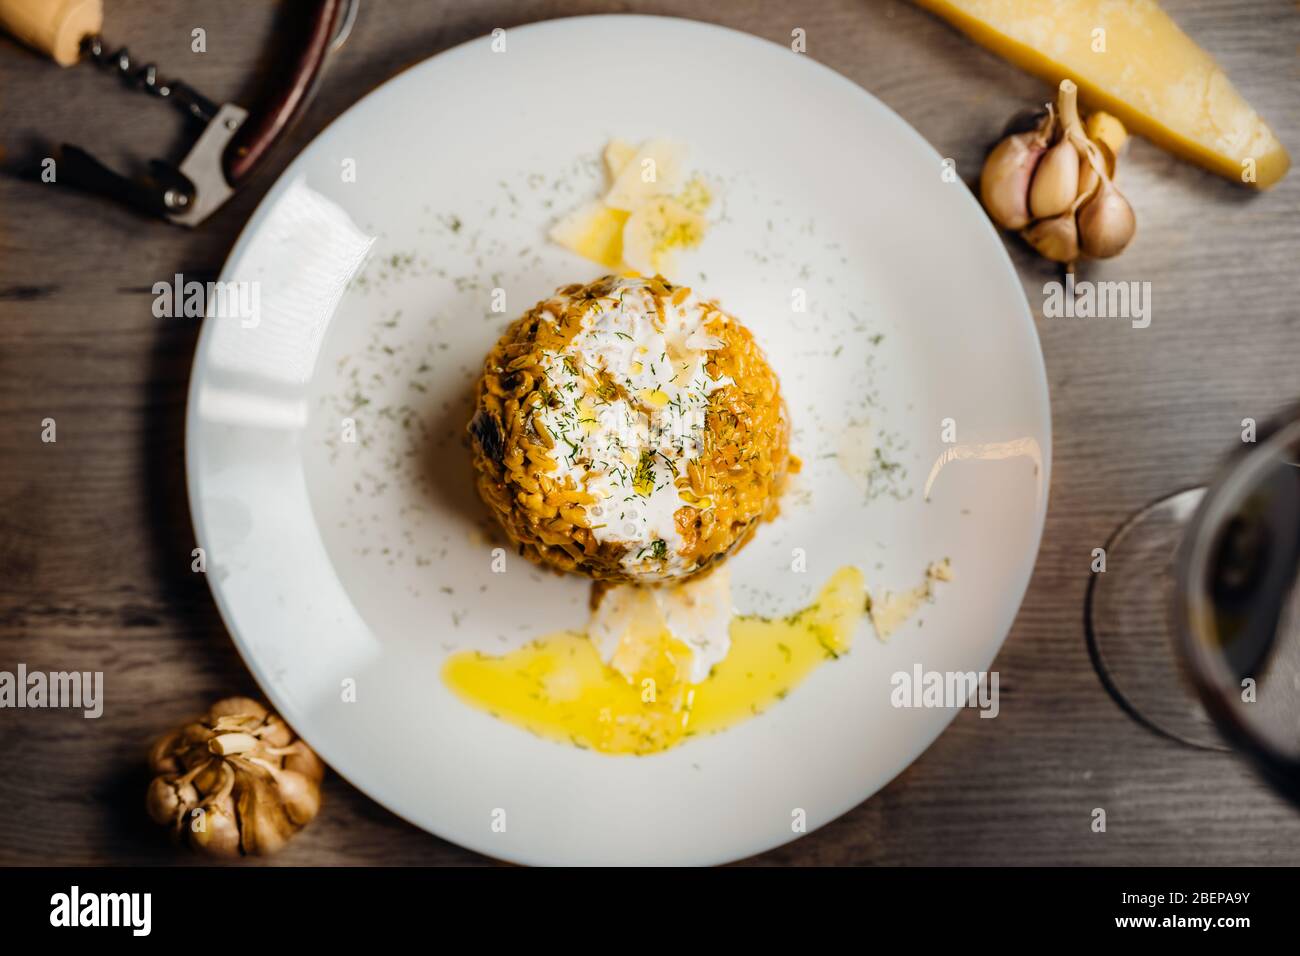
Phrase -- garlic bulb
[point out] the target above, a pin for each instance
(235, 782)
(1054, 183)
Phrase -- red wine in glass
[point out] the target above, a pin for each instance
(1194, 626)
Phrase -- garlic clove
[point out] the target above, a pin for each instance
(167, 799)
(301, 796)
(1056, 181)
(1005, 179)
(1056, 238)
(1106, 222)
(266, 824)
(218, 831)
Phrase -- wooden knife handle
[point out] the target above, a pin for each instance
(256, 137)
(54, 27)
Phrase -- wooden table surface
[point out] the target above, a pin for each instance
(95, 534)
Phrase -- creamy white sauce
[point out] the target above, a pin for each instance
(628, 447)
(697, 612)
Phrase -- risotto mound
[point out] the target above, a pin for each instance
(629, 430)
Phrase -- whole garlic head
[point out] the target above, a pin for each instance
(1054, 184)
(236, 781)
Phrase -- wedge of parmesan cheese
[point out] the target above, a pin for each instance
(1130, 59)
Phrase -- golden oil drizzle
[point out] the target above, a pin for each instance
(558, 688)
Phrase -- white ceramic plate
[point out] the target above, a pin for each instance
(343, 566)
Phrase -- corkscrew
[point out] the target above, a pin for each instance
(231, 143)
(145, 78)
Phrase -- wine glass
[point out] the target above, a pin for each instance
(1194, 626)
